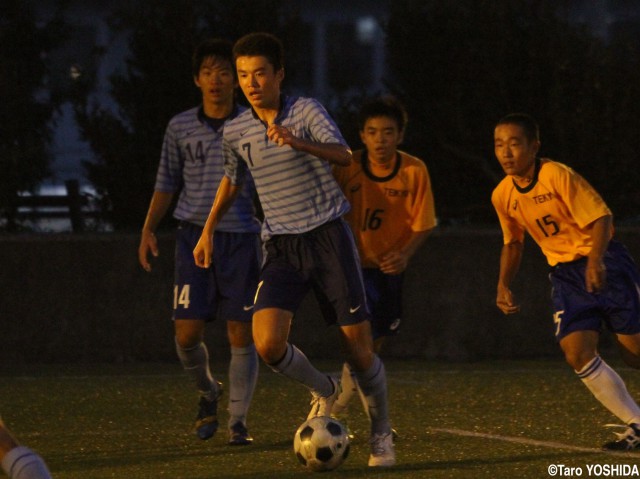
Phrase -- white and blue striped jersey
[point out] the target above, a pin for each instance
(297, 190)
(191, 162)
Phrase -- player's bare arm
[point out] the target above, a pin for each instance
(596, 273)
(397, 260)
(225, 196)
(332, 152)
(160, 203)
(510, 259)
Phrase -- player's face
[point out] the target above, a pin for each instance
(381, 137)
(515, 152)
(259, 82)
(216, 81)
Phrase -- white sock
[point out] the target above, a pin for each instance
(349, 388)
(195, 362)
(23, 463)
(243, 375)
(295, 365)
(373, 384)
(609, 388)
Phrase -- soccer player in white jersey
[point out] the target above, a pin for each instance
(20, 462)
(191, 163)
(595, 282)
(288, 145)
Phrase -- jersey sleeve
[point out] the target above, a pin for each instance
(320, 125)
(424, 212)
(234, 166)
(511, 231)
(582, 200)
(169, 175)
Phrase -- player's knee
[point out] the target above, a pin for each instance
(578, 359)
(271, 352)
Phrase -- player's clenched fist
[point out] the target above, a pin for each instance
(203, 251)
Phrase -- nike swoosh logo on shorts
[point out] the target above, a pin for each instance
(353, 310)
(248, 308)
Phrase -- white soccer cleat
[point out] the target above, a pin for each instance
(382, 452)
(321, 406)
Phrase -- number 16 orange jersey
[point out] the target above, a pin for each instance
(385, 210)
(557, 209)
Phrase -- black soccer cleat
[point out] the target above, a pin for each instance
(207, 419)
(627, 441)
(239, 435)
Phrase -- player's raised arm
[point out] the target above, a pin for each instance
(225, 196)
(510, 259)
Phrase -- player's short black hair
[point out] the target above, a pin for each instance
(261, 44)
(213, 47)
(387, 106)
(528, 124)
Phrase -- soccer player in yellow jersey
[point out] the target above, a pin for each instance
(392, 213)
(594, 280)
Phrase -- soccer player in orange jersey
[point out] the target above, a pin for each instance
(594, 280)
(392, 213)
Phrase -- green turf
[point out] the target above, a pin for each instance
(134, 422)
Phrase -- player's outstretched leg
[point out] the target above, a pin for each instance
(324, 389)
(609, 388)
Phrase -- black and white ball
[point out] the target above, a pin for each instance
(321, 443)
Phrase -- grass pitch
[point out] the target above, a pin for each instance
(480, 420)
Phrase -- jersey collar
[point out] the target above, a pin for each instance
(534, 180)
(364, 160)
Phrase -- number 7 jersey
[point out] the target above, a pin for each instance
(557, 209)
(385, 210)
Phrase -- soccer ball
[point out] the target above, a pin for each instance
(321, 443)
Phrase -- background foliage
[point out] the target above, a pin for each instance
(458, 66)
(27, 106)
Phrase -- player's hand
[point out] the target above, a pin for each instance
(148, 243)
(394, 262)
(595, 276)
(280, 135)
(203, 251)
(506, 301)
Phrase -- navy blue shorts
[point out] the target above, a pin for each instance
(324, 259)
(226, 289)
(384, 296)
(617, 306)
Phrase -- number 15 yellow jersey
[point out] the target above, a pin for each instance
(557, 209)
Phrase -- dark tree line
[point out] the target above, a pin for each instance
(462, 65)
(27, 106)
(458, 66)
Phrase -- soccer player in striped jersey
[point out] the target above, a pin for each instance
(191, 165)
(20, 462)
(594, 280)
(288, 144)
(392, 213)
